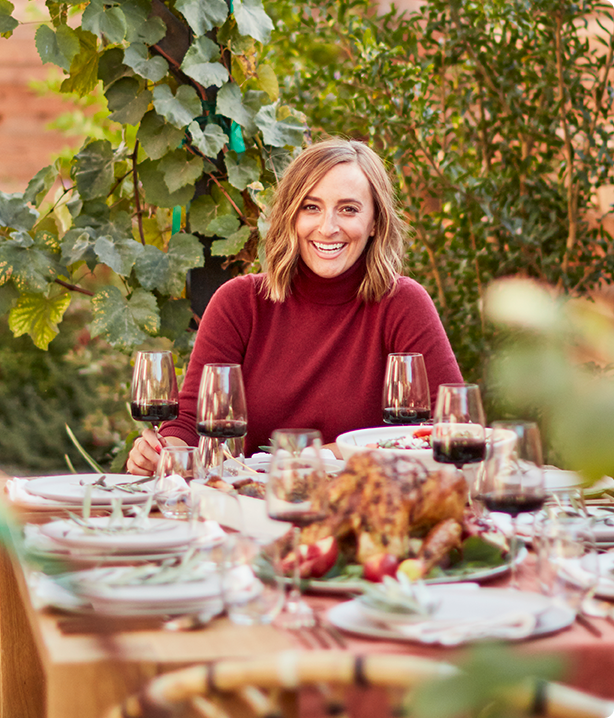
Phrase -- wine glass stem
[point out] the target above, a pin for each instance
(514, 554)
(294, 596)
(156, 427)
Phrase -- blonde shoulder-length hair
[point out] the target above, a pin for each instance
(385, 250)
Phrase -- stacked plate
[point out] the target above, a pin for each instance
(71, 488)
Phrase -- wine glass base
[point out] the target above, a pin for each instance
(295, 614)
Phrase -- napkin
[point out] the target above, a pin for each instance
(513, 625)
(17, 493)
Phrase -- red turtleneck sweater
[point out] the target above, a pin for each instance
(316, 360)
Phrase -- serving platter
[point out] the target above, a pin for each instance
(70, 488)
(457, 606)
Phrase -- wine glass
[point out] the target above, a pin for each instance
(222, 409)
(177, 467)
(406, 397)
(459, 434)
(154, 394)
(514, 483)
(296, 491)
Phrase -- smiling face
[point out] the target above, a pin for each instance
(335, 220)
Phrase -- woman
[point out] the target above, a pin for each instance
(314, 332)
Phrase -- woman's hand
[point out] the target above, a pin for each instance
(143, 457)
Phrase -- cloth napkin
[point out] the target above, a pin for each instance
(509, 626)
(18, 494)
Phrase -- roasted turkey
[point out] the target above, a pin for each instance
(378, 503)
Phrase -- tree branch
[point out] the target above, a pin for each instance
(137, 200)
(73, 287)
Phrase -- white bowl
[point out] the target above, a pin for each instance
(355, 442)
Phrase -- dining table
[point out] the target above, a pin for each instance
(50, 668)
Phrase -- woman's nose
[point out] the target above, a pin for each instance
(329, 224)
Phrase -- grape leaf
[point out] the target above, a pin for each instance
(223, 225)
(180, 169)
(128, 101)
(233, 244)
(15, 213)
(166, 271)
(229, 103)
(137, 57)
(156, 189)
(120, 254)
(84, 67)
(175, 316)
(58, 47)
(94, 169)
(198, 64)
(203, 16)
(267, 81)
(7, 23)
(279, 133)
(111, 66)
(211, 141)
(179, 109)
(8, 295)
(242, 169)
(38, 316)
(157, 136)
(150, 32)
(40, 184)
(104, 21)
(30, 268)
(124, 323)
(202, 211)
(78, 245)
(252, 20)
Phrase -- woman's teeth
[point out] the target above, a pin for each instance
(329, 247)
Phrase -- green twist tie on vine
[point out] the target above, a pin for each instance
(176, 223)
(236, 138)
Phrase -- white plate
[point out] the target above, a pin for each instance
(158, 535)
(233, 471)
(460, 605)
(68, 488)
(605, 584)
(483, 574)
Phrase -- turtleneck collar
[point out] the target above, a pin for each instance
(336, 290)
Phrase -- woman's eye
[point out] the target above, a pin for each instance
(309, 207)
(350, 210)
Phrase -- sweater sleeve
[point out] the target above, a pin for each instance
(222, 337)
(415, 326)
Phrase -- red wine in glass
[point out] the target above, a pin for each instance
(405, 417)
(298, 518)
(154, 393)
(155, 411)
(222, 428)
(459, 451)
(509, 502)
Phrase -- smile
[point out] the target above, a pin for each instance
(329, 247)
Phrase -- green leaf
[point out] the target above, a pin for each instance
(78, 245)
(137, 57)
(179, 109)
(124, 323)
(82, 451)
(229, 103)
(180, 169)
(242, 169)
(58, 47)
(104, 21)
(267, 81)
(252, 20)
(175, 316)
(128, 101)
(156, 190)
(94, 169)
(198, 64)
(157, 136)
(202, 211)
(15, 213)
(30, 268)
(111, 66)
(203, 16)
(120, 255)
(150, 32)
(289, 131)
(40, 184)
(211, 141)
(8, 295)
(166, 271)
(7, 23)
(84, 67)
(223, 226)
(38, 316)
(233, 244)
